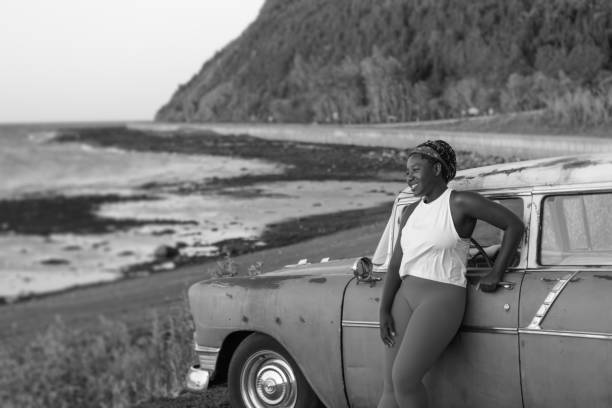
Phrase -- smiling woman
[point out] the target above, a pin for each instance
(62, 62)
(424, 297)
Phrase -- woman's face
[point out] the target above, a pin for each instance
(421, 174)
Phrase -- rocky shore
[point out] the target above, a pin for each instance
(48, 215)
(130, 329)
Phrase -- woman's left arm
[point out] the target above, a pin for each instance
(476, 206)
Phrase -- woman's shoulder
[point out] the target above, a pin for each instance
(461, 196)
(467, 199)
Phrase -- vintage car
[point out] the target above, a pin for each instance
(308, 334)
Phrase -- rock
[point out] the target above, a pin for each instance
(165, 252)
(55, 261)
(165, 231)
(99, 244)
(166, 266)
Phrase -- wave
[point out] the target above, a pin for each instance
(42, 137)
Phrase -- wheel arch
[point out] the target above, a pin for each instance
(228, 347)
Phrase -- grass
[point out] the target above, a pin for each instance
(111, 366)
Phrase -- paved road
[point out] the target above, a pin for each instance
(406, 135)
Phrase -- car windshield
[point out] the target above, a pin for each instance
(576, 230)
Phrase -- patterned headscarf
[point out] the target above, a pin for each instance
(441, 152)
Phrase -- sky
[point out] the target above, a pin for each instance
(98, 60)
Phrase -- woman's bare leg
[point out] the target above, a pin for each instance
(401, 312)
(432, 325)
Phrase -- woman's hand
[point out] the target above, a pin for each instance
(488, 283)
(387, 329)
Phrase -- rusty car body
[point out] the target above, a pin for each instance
(308, 334)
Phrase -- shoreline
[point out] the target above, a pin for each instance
(288, 232)
(47, 215)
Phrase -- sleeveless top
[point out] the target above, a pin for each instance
(431, 246)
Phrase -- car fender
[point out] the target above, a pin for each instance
(299, 307)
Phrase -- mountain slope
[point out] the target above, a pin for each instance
(362, 61)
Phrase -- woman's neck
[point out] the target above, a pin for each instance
(435, 192)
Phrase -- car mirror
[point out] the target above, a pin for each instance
(362, 269)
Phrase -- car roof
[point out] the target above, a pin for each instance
(554, 171)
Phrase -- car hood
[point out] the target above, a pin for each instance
(334, 267)
(338, 271)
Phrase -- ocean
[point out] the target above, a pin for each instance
(33, 166)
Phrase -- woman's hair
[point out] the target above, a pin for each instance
(438, 151)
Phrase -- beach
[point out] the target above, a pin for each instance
(283, 202)
(96, 204)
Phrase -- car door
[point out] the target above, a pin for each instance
(566, 302)
(480, 368)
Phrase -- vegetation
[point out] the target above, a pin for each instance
(107, 367)
(355, 61)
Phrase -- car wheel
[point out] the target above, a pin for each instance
(262, 374)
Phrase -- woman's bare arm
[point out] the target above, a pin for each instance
(476, 206)
(392, 284)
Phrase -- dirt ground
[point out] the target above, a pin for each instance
(133, 299)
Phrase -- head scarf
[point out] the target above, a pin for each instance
(441, 152)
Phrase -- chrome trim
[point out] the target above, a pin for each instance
(479, 329)
(197, 379)
(208, 362)
(204, 349)
(268, 380)
(568, 333)
(492, 330)
(357, 323)
(536, 322)
(207, 357)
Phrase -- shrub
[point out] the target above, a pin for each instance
(109, 366)
(580, 107)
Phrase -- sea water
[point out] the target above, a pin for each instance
(32, 165)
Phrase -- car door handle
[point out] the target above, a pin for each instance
(506, 285)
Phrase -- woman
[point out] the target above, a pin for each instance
(423, 298)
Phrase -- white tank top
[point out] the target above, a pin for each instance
(431, 246)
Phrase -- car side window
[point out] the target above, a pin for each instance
(490, 237)
(576, 230)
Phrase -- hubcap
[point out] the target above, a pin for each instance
(267, 380)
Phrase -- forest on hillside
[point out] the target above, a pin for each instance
(363, 61)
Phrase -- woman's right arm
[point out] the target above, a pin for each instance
(392, 284)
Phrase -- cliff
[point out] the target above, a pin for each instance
(354, 61)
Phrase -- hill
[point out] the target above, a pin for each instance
(356, 61)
